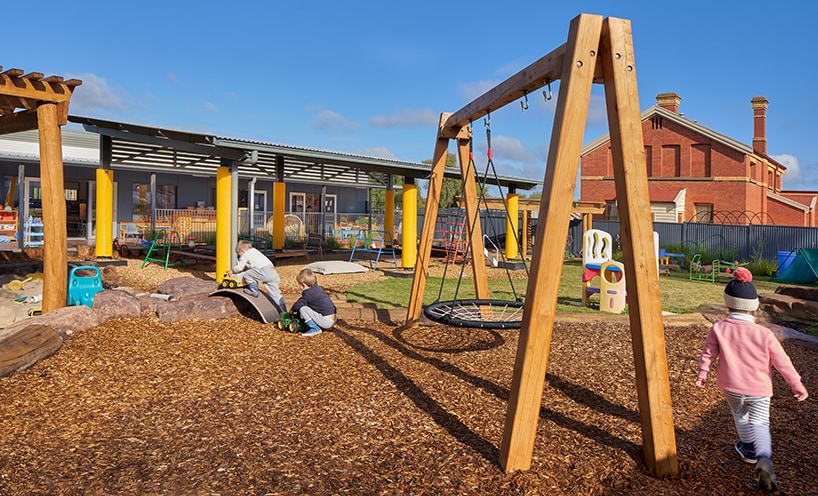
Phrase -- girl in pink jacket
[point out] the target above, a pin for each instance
(745, 351)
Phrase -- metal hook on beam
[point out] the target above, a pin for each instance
(546, 93)
(524, 104)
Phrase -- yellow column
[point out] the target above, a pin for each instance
(104, 213)
(223, 221)
(409, 231)
(512, 226)
(389, 215)
(279, 202)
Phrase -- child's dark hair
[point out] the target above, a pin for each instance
(307, 277)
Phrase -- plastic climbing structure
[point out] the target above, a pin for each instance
(165, 244)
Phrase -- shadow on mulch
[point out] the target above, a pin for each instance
(461, 432)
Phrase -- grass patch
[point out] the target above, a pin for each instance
(678, 293)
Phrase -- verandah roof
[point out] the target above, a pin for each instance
(164, 150)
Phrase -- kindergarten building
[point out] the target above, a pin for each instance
(167, 179)
(696, 174)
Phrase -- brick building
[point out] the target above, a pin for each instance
(696, 174)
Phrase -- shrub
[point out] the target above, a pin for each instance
(762, 267)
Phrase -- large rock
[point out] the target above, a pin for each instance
(197, 306)
(799, 292)
(110, 304)
(789, 307)
(66, 321)
(21, 348)
(183, 287)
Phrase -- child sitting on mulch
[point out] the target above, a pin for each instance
(314, 306)
(745, 350)
(253, 268)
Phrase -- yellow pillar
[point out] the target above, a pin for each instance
(223, 221)
(512, 226)
(104, 213)
(389, 215)
(279, 202)
(409, 231)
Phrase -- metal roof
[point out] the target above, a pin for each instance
(142, 147)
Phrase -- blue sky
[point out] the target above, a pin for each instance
(372, 77)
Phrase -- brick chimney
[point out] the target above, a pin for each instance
(669, 101)
(760, 124)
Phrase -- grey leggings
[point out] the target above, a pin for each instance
(268, 276)
(323, 321)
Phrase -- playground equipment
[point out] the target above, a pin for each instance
(718, 270)
(83, 287)
(612, 287)
(597, 247)
(375, 243)
(598, 49)
(263, 306)
(481, 312)
(161, 248)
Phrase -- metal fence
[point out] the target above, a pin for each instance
(723, 241)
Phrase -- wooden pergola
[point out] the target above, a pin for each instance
(32, 101)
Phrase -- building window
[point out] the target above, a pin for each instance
(704, 213)
(165, 197)
(611, 211)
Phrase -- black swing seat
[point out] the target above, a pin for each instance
(481, 314)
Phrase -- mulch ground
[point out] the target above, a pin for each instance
(236, 407)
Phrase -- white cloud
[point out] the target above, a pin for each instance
(210, 106)
(95, 93)
(792, 165)
(379, 151)
(406, 117)
(511, 149)
(470, 91)
(328, 120)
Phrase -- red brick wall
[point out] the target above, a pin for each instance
(782, 214)
(672, 151)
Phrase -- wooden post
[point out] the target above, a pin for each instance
(645, 307)
(471, 205)
(555, 211)
(279, 204)
(428, 232)
(55, 247)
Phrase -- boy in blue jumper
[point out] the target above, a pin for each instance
(314, 306)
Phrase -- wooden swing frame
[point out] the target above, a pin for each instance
(598, 50)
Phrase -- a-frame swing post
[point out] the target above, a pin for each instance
(578, 68)
(428, 231)
(474, 230)
(636, 229)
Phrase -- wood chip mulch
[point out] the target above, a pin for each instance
(236, 407)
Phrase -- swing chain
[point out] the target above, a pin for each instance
(487, 124)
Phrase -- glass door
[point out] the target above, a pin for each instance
(330, 211)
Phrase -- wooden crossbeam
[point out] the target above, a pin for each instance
(13, 72)
(18, 122)
(535, 76)
(33, 88)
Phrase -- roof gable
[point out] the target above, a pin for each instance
(682, 121)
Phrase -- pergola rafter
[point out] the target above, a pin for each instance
(31, 101)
